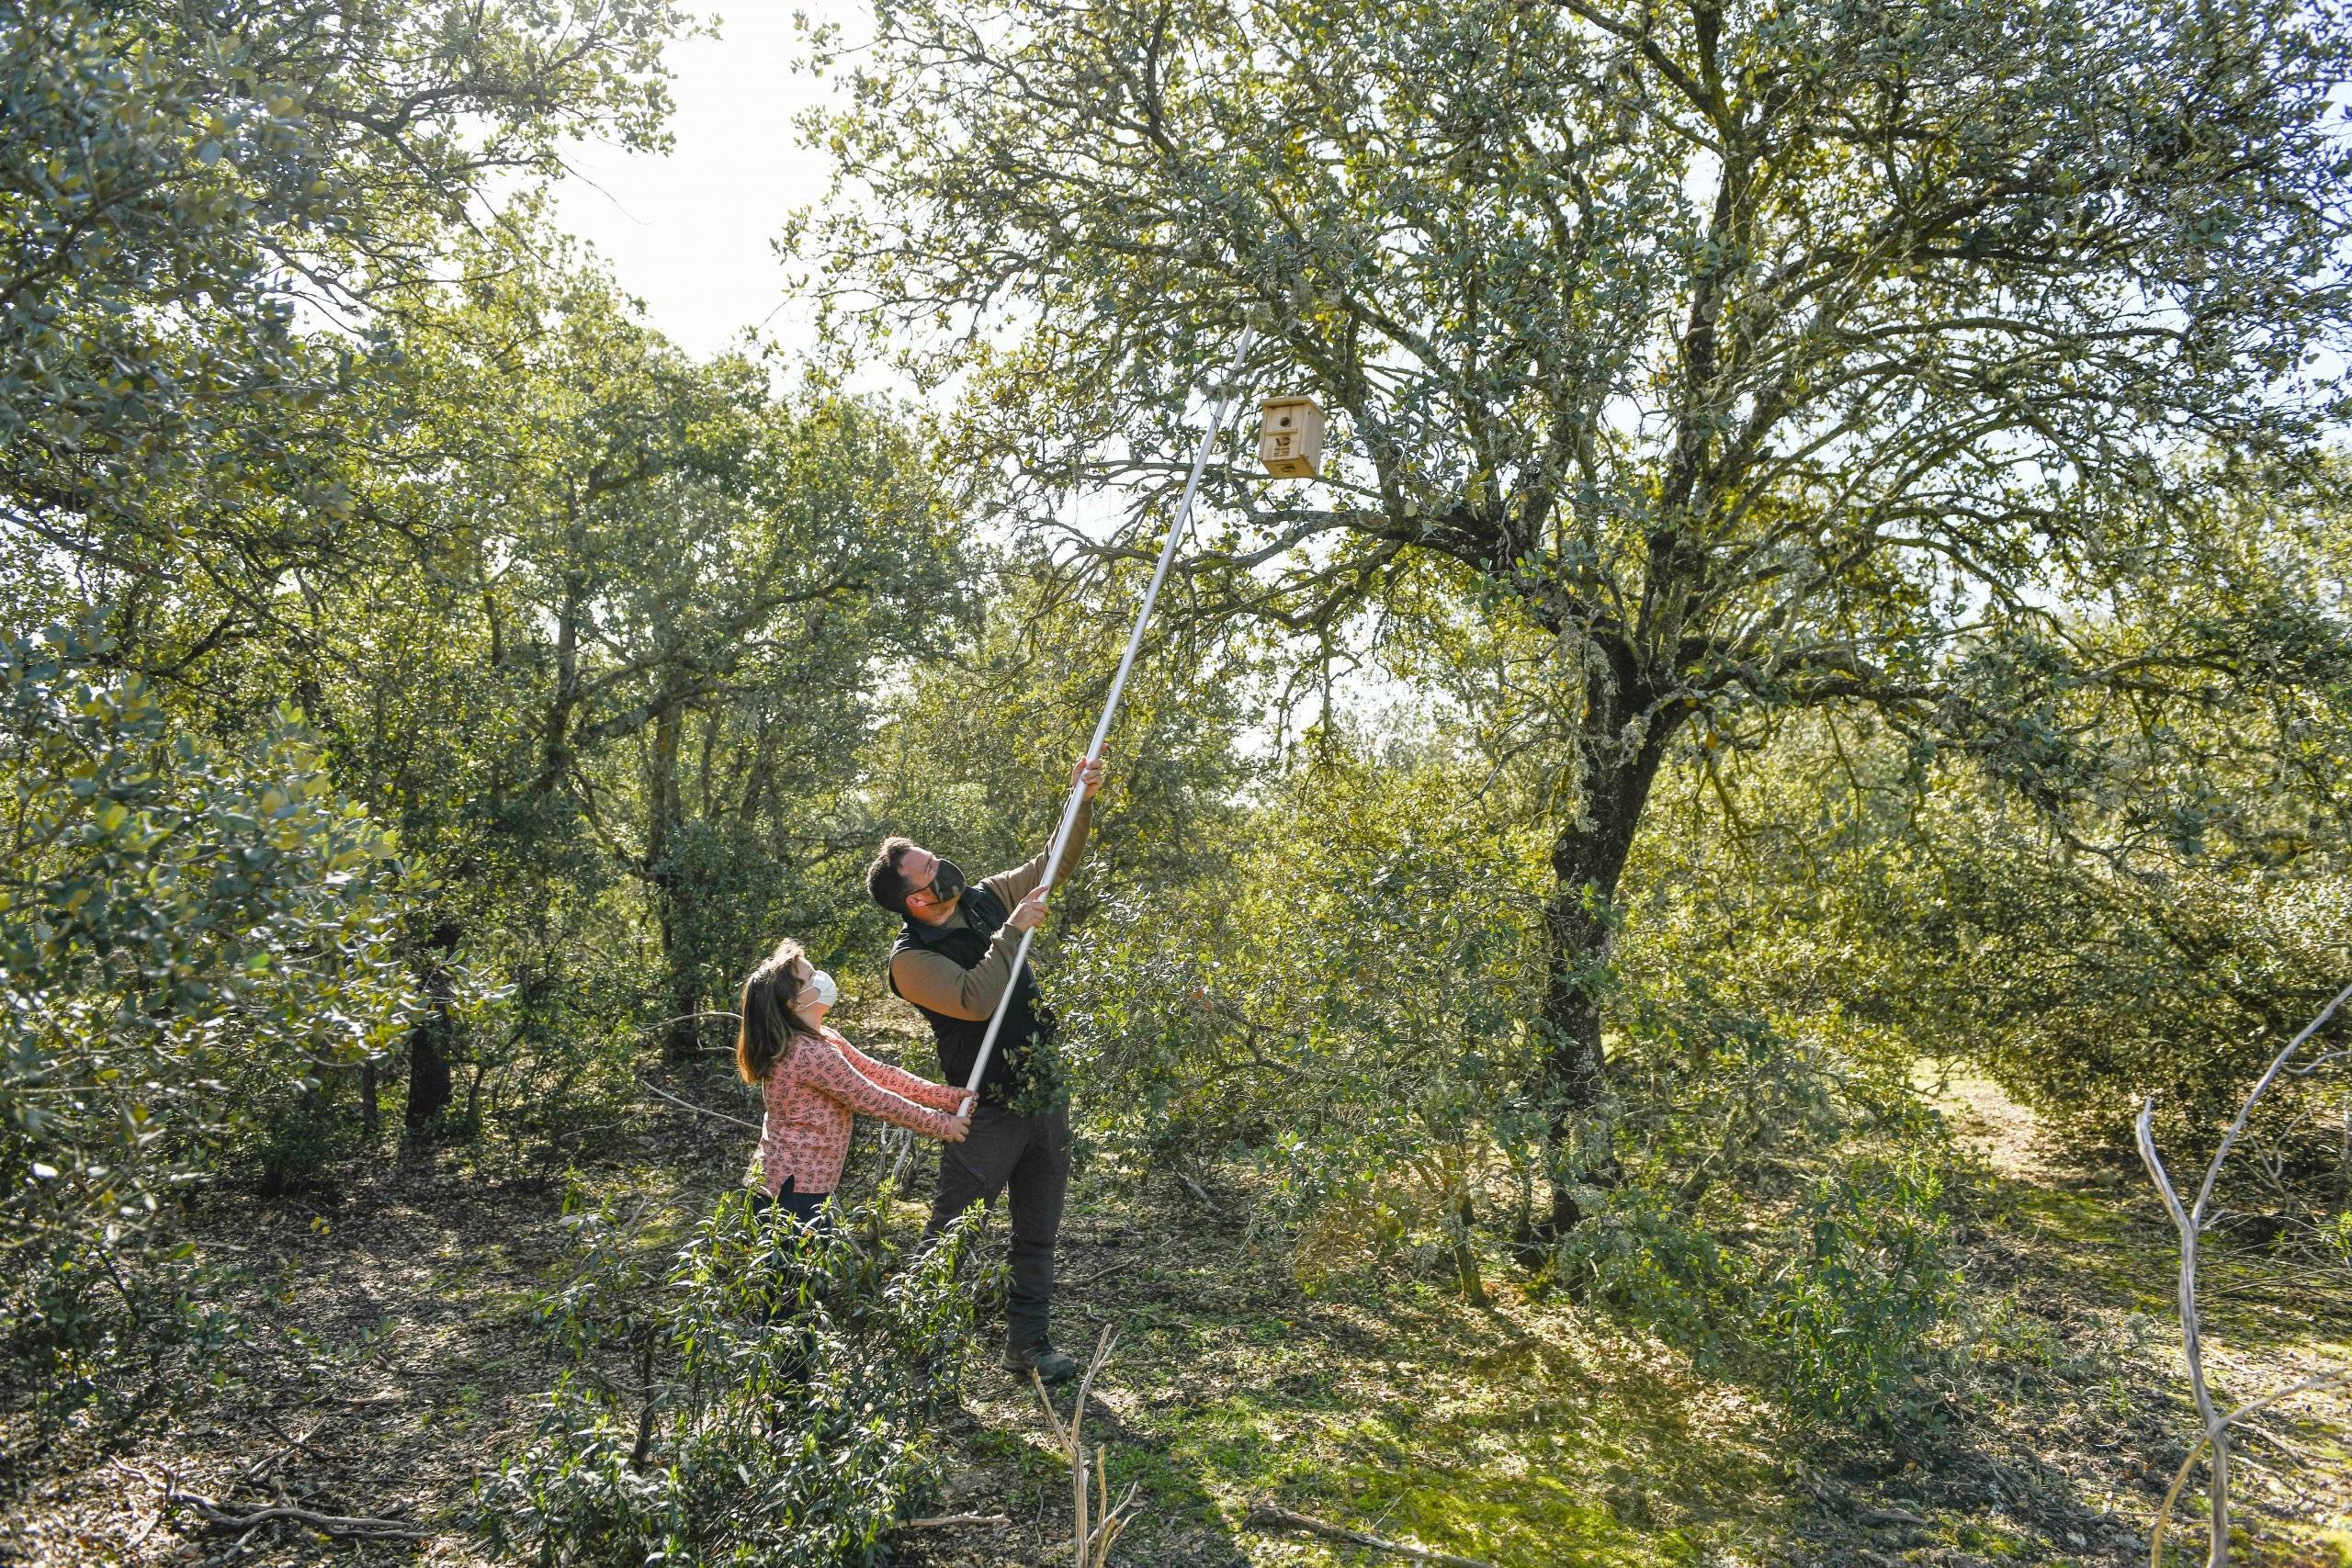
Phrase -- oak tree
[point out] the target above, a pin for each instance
(1748, 355)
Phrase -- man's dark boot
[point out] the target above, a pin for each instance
(1041, 1357)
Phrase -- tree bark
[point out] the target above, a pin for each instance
(683, 1032)
(1625, 740)
(430, 1082)
(555, 738)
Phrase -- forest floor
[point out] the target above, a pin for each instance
(393, 1359)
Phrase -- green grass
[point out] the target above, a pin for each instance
(1528, 1434)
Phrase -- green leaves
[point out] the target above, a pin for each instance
(629, 676)
(1764, 349)
(1857, 1310)
(1336, 1003)
(174, 955)
(759, 1398)
(183, 182)
(1723, 362)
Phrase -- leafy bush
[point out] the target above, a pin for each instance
(1353, 1037)
(1354, 1045)
(2335, 1235)
(1853, 1309)
(1842, 1308)
(761, 1398)
(189, 937)
(2161, 939)
(1657, 1265)
(1788, 1207)
(2091, 990)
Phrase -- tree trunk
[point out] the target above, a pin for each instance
(1625, 742)
(1462, 1216)
(681, 1034)
(554, 734)
(430, 1083)
(429, 1080)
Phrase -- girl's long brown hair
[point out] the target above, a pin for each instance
(769, 1024)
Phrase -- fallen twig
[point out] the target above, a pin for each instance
(275, 1457)
(1102, 1273)
(697, 1109)
(236, 1550)
(149, 1521)
(1266, 1515)
(358, 1527)
(945, 1521)
(1200, 1193)
(2300, 1460)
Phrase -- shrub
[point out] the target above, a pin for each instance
(1352, 1039)
(761, 1398)
(1853, 1309)
(1788, 1208)
(188, 938)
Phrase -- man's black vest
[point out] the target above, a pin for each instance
(964, 938)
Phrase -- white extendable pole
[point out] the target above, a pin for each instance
(1118, 688)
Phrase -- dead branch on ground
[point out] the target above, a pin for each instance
(224, 1515)
(1268, 1516)
(697, 1109)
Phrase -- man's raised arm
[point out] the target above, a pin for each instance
(1020, 881)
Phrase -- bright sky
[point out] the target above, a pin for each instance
(693, 234)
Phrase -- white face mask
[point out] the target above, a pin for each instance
(822, 984)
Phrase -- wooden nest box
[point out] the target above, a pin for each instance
(1289, 438)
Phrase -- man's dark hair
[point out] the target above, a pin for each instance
(882, 879)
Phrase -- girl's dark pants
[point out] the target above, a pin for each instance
(809, 1208)
(1027, 1158)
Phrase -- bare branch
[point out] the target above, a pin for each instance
(1264, 1516)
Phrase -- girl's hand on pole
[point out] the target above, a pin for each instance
(957, 1127)
(1090, 772)
(971, 1103)
(1030, 913)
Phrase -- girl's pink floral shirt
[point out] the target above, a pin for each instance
(816, 1089)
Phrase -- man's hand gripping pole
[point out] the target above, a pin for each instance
(1118, 687)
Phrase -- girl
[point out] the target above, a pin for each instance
(814, 1081)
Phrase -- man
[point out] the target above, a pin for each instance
(952, 961)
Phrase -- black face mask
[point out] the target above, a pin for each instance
(946, 881)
